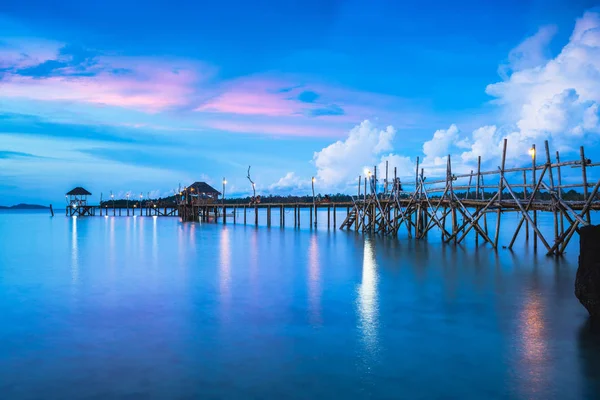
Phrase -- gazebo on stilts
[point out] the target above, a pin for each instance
(77, 204)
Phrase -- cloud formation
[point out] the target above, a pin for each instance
(558, 98)
(344, 160)
(541, 98)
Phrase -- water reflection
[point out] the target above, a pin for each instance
(74, 251)
(154, 241)
(314, 281)
(367, 299)
(253, 260)
(224, 264)
(534, 352)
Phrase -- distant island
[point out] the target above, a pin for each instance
(25, 207)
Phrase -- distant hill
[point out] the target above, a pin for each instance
(24, 207)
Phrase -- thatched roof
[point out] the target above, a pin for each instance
(79, 191)
(202, 187)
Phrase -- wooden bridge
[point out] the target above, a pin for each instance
(440, 204)
(430, 204)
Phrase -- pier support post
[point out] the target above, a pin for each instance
(334, 222)
(255, 215)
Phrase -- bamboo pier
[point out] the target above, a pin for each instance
(456, 205)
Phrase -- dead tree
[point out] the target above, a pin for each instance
(252, 183)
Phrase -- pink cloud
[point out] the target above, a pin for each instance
(162, 92)
(248, 103)
(144, 84)
(254, 96)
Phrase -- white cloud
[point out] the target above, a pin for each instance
(441, 144)
(559, 98)
(532, 52)
(404, 166)
(484, 143)
(542, 98)
(342, 161)
(290, 181)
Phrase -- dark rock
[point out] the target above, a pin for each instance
(587, 281)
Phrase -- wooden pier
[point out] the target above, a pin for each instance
(455, 205)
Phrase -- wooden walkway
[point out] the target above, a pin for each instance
(430, 204)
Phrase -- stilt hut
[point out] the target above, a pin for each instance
(77, 202)
(200, 193)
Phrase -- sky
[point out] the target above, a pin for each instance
(120, 97)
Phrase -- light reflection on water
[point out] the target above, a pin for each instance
(164, 309)
(74, 251)
(367, 299)
(314, 284)
(534, 344)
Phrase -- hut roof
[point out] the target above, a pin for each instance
(203, 187)
(79, 191)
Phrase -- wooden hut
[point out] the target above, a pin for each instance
(77, 202)
(200, 193)
(78, 196)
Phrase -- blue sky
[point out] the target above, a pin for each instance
(116, 96)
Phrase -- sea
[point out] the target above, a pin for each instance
(153, 308)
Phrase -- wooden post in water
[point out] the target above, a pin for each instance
(584, 176)
(477, 194)
(550, 175)
(525, 199)
(562, 217)
(417, 197)
(334, 211)
(311, 216)
(533, 192)
(364, 206)
(424, 219)
(500, 188)
(450, 183)
(269, 215)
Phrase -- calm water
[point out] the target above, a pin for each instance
(151, 308)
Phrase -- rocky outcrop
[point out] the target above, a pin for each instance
(587, 281)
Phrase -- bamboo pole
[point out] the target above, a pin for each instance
(551, 177)
(533, 195)
(500, 188)
(584, 178)
(525, 198)
(560, 193)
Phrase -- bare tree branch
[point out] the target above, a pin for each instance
(252, 182)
